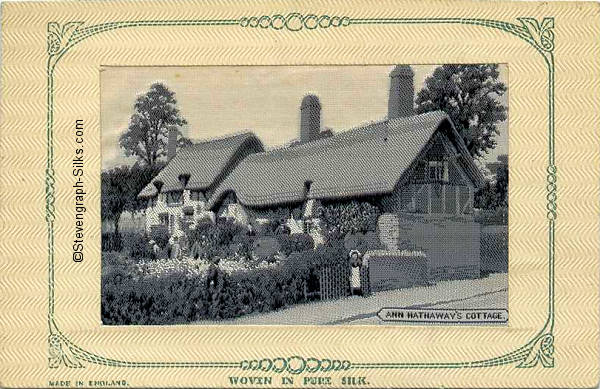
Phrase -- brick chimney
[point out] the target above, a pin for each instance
(402, 92)
(310, 118)
(172, 143)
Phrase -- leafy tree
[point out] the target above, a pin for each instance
(140, 176)
(469, 95)
(120, 187)
(155, 112)
(494, 194)
(115, 186)
(502, 186)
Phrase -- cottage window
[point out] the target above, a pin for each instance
(163, 219)
(171, 223)
(152, 201)
(174, 197)
(196, 195)
(438, 171)
(309, 226)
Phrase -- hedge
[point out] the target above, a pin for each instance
(494, 249)
(177, 297)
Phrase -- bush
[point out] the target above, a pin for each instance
(111, 242)
(265, 248)
(497, 216)
(159, 234)
(160, 300)
(341, 218)
(185, 291)
(332, 252)
(295, 243)
(218, 240)
(114, 259)
(136, 245)
(362, 242)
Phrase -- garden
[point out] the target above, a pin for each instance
(225, 270)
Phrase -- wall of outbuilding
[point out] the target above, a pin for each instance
(451, 244)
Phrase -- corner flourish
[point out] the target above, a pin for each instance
(59, 37)
(541, 33)
(59, 353)
(541, 351)
(294, 21)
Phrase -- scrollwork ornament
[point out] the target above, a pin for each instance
(541, 351)
(60, 353)
(59, 36)
(294, 21)
(541, 33)
(295, 364)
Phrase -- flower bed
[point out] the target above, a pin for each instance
(170, 291)
(174, 291)
(195, 267)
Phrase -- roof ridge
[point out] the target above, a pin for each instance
(341, 136)
(222, 138)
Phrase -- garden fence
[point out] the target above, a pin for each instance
(334, 281)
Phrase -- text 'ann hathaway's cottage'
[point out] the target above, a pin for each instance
(415, 168)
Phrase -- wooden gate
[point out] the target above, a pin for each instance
(334, 281)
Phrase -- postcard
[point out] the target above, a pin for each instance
(300, 194)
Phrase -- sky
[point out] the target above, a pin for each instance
(218, 101)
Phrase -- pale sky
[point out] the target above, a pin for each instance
(221, 100)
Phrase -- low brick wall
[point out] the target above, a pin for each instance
(395, 269)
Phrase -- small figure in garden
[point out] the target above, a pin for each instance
(155, 249)
(175, 247)
(355, 258)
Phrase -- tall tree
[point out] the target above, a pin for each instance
(140, 176)
(469, 95)
(115, 187)
(120, 187)
(155, 112)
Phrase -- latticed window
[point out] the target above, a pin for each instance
(438, 171)
(174, 197)
(163, 218)
(196, 195)
(309, 226)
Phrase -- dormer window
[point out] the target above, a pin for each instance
(174, 197)
(196, 195)
(183, 179)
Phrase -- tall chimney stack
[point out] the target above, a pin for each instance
(172, 143)
(402, 91)
(310, 118)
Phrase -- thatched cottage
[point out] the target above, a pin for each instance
(409, 164)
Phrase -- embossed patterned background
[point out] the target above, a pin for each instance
(50, 306)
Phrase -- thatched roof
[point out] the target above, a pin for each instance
(367, 160)
(205, 163)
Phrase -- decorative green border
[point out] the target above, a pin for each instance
(62, 351)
